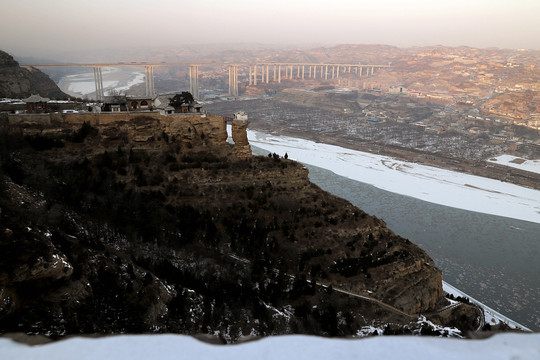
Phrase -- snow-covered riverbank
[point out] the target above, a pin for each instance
(491, 316)
(448, 188)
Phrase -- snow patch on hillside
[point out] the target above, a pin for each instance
(518, 163)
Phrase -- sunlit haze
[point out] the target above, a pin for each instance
(35, 28)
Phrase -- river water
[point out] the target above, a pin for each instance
(494, 259)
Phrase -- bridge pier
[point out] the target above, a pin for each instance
(194, 81)
(233, 80)
(255, 74)
(149, 80)
(98, 80)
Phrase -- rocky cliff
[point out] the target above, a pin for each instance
(17, 82)
(152, 225)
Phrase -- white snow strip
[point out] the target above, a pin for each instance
(165, 347)
(448, 188)
(491, 316)
(518, 163)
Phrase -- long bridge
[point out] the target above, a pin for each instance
(257, 72)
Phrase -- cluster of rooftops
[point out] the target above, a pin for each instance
(121, 103)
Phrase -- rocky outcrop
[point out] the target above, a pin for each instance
(239, 135)
(17, 82)
(153, 222)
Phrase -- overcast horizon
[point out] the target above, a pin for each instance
(53, 27)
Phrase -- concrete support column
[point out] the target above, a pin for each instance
(337, 73)
(275, 73)
(303, 69)
(267, 71)
(333, 71)
(326, 72)
(149, 80)
(153, 86)
(194, 81)
(279, 74)
(310, 68)
(233, 80)
(255, 74)
(98, 80)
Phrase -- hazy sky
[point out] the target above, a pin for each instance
(32, 27)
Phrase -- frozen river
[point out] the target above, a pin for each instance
(114, 78)
(483, 234)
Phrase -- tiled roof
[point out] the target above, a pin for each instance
(35, 98)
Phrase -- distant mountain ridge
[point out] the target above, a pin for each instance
(18, 82)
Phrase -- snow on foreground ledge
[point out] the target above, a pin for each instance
(164, 347)
(435, 185)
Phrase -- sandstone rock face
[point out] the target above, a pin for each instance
(142, 130)
(17, 82)
(239, 135)
(416, 289)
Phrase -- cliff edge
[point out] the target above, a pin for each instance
(157, 224)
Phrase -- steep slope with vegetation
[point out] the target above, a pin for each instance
(17, 82)
(104, 230)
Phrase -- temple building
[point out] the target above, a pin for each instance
(36, 104)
